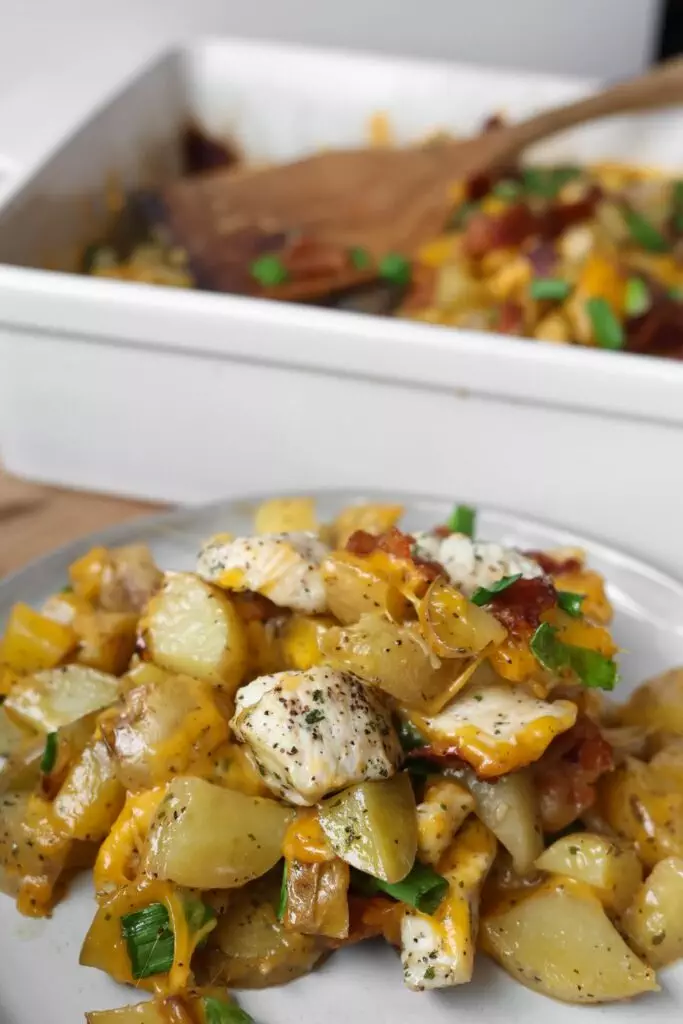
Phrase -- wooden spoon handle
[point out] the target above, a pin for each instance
(660, 87)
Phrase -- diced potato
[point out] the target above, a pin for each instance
(33, 642)
(118, 859)
(142, 673)
(658, 704)
(392, 656)
(373, 826)
(32, 853)
(354, 587)
(444, 807)
(142, 1013)
(508, 806)
(91, 796)
(286, 515)
(106, 640)
(192, 627)
(299, 638)
(373, 518)
(653, 923)
(163, 730)
(558, 941)
(187, 847)
(87, 572)
(250, 948)
(64, 607)
(129, 579)
(609, 867)
(455, 627)
(641, 807)
(317, 898)
(48, 701)
(13, 738)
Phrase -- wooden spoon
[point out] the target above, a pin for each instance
(383, 200)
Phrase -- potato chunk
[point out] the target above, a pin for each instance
(653, 923)
(609, 867)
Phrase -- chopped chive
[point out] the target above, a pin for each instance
(360, 258)
(282, 902)
(676, 294)
(638, 299)
(149, 936)
(422, 887)
(607, 329)
(570, 603)
(678, 194)
(508, 189)
(460, 216)
(482, 595)
(218, 1011)
(546, 182)
(553, 288)
(463, 520)
(591, 668)
(269, 270)
(49, 757)
(410, 737)
(395, 268)
(678, 221)
(643, 232)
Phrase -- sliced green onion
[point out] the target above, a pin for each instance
(546, 182)
(395, 268)
(482, 595)
(463, 520)
(591, 668)
(638, 299)
(553, 288)
(570, 603)
(676, 294)
(422, 888)
(609, 333)
(410, 737)
(360, 258)
(149, 936)
(218, 1011)
(49, 757)
(508, 189)
(269, 271)
(678, 194)
(282, 902)
(460, 216)
(678, 220)
(643, 232)
(68, 589)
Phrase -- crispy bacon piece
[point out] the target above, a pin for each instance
(306, 257)
(251, 606)
(510, 318)
(521, 605)
(554, 566)
(566, 775)
(484, 232)
(372, 916)
(395, 543)
(558, 217)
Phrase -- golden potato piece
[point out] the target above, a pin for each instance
(373, 518)
(640, 805)
(609, 867)
(106, 639)
(191, 627)
(354, 588)
(129, 579)
(285, 515)
(559, 941)
(48, 701)
(658, 704)
(653, 923)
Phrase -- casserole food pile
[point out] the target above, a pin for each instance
(567, 254)
(333, 732)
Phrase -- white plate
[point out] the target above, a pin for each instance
(40, 980)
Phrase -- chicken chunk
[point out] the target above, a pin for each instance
(445, 806)
(284, 567)
(315, 732)
(471, 563)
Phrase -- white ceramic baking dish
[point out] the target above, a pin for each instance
(186, 395)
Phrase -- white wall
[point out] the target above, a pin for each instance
(602, 38)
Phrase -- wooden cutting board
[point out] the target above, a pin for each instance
(35, 519)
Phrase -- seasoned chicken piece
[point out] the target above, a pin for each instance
(473, 563)
(445, 806)
(285, 567)
(496, 728)
(311, 733)
(437, 951)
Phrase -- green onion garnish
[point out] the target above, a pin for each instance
(68, 589)
(395, 268)
(360, 258)
(570, 603)
(482, 595)
(422, 888)
(410, 737)
(678, 194)
(218, 1011)
(463, 520)
(608, 331)
(460, 216)
(49, 757)
(546, 182)
(269, 270)
(676, 294)
(282, 902)
(508, 189)
(592, 669)
(643, 232)
(638, 299)
(553, 288)
(150, 939)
